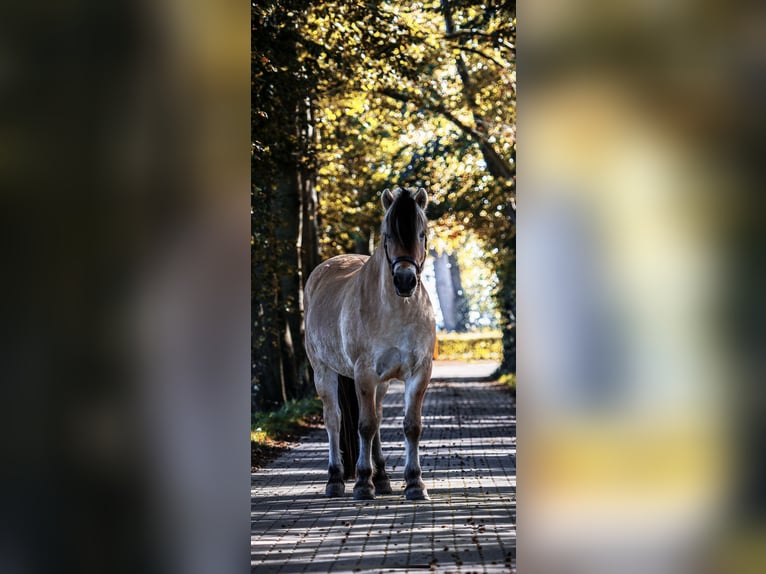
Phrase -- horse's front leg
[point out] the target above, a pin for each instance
(366, 386)
(414, 392)
(380, 476)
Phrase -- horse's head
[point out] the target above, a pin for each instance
(405, 231)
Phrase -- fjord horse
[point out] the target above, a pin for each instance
(368, 321)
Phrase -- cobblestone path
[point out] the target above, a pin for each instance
(468, 455)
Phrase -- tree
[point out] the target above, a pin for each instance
(284, 236)
(355, 96)
(427, 98)
(449, 288)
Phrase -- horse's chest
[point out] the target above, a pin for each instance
(397, 355)
(393, 346)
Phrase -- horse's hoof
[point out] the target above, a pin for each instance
(417, 493)
(383, 486)
(335, 489)
(363, 493)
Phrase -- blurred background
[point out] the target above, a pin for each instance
(127, 280)
(125, 349)
(640, 281)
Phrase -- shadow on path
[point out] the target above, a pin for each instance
(468, 455)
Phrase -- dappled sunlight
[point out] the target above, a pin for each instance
(380, 97)
(468, 461)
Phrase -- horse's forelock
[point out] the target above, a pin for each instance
(402, 219)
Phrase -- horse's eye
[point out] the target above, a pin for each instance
(422, 234)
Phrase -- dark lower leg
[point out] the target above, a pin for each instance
(415, 489)
(380, 477)
(335, 484)
(364, 487)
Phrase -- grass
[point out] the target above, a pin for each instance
(478, 345)
(470, 335)
(286, 423)
(508, 380)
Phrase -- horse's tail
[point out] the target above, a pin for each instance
(349, 423)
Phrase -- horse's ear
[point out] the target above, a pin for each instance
(387, 198)
(421, 198)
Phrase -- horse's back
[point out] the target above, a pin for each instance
(333, 274)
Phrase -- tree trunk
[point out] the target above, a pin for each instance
(508, 323)
(496, 165)
(506, 275)
(295, 212)
(309, 250)
(460, 301)
(299, 251)
(285, 231)
(308, 239)
(444, 291)
(286, 209)
(268, 373)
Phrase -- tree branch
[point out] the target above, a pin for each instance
(495, 163)
(433, 107)
(494, 36)
(497, 166)
(483, 55)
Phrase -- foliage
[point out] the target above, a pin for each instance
(403, 116)
(281, 177)
(427, 99)
(287, 421)
(477, 270)
(349, 98)
(509, 380)
(470, 346)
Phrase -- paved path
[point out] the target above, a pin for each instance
(468, 455)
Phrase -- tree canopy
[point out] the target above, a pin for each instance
(352, 97)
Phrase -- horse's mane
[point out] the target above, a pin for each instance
(402, 219)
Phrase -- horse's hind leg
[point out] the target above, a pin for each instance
(326, 383)
(380, 476)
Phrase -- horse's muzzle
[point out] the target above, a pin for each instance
(405, 282)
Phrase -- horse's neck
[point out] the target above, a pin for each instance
(373, 274)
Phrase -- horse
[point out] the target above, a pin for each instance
(369, 321)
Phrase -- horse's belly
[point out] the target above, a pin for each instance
(324, 344)
(324, 301)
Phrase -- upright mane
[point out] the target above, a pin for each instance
(402, 218)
